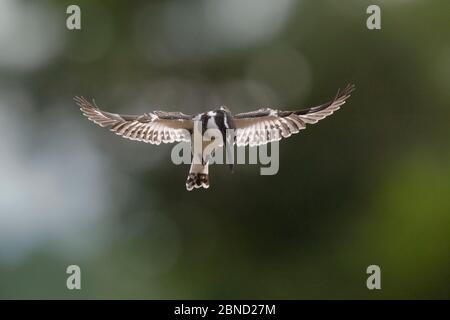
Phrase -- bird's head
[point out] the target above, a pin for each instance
(224, 108)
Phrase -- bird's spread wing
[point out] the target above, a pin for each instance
(154, 127)
(266, 125)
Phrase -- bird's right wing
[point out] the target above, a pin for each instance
(267, 125)
(154, 127)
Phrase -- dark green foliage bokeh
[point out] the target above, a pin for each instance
(369, 185)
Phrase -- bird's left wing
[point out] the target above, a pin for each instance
(266, 125)
(154, 127)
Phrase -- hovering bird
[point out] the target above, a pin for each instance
(250, 128)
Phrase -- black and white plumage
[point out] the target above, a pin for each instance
(251, 128)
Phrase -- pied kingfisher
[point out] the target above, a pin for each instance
(250, 128)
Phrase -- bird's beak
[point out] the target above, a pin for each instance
(230, 153)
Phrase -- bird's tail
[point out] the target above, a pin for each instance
(198, 177)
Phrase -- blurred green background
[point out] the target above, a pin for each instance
(369, 185)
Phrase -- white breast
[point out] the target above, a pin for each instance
(211, 124)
